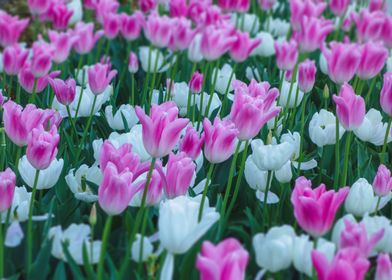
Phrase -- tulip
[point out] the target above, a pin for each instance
(41, 61)
(286, 54)
(386, 36)
(2, 100)
(7, 188)
(306, 75)
(123, 158)
(194, 50)
(136, 247)
(226, 260)
(60, 16)
(14, 235)
(158, 30)
(182, 38)
(14, 57)
(338, 7)
(11, 28)
(196, 82)
(386, 94)
(178, 8)
(243, 46)
(223, 80)
(111, 25)
(313, 33)
(191, 143)
(266, 48)
(350, 108)
(301, 8)
(274, 249)
(105, 7)
(382, 183)
(99, 77)
(77, 11)
(347, 264)
(271, 157)
(86, 39)
(377, 5)
(219, 139)
(149, 59)
(27, 79)
(384, 267)
(133, 63)
(287, 99)
(155, 188)
(343, 60)
(125, 116)
(373, 224)
(216, 41)
(38, 7)
(255, 177)
(64, 90)
(315, 209)
(180, 171)
(253, 107)
(62, 43)
(147, 5)
(131, 26)
(42, 147)
(161, 130)
(373, 57)
(267, 5)
(360, 198)
(372, 129)
(115, 191)
(370, 26)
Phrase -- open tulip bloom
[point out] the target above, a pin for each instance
(196, 139)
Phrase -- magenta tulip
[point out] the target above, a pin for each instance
(7, 188)
(286, 54)
(384, 267)
(386, 94)
(62, 43)
(301, 8)
(123, 157)
(306, 75)
(191, 143)
(14, 57)
(86, 39)
(196, 82)
(243, 46)
(382, 183)
(373, 57)
(99, 77)
(11, 28)
(65, 91)
(216, 41)
(180, 170)
(131, 26)
(313, 33)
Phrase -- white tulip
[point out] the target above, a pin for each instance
(155, 62)
(373, 129)
(339, 227)
(14, 235)
(277, 27)
(194, 52)
(271, 157)
(302, 252)
(271, 197)
(247, 22)
(294, 139)
(222, 78)
(82, 76)
(20, 205)
(75, 236)
(92, 174)
(179, 228)
(252, 73)
(47, 178)
(389, 64)
(322, 128)
(124, 112)
(216, 103)
(147, 248)
(266, 48)
(256, 178)
(284, 174)
(284, 100)
(375, 223)
(323, 64)
(77, 11)
(274, 249)
(180, 97)
(360, 198)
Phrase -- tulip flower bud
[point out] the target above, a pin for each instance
(326, 92)
(360, 199)
(196, 82)
(99, 77)
(93, 216)
(382, 183)
(7, 188)
(133, 63)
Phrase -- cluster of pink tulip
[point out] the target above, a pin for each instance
(131, 123)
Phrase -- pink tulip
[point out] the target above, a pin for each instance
(147, 5)
(220, 139)
(26, 79)
(286, 54)
(19, 122)
(99, 77)
(161, 130)
(59, 15)
(131, 26)
(183, 35)
(243, 46)
(62, 43)
(350, 108)
(196, 82)
(343, 61)
(216, 41)
(338, 7)
(373, 57)
(369, 25)
(111, 25)
(386, 94)
(123, 157)
(191, 143)
(226, 260)
(14, 57)
(104, 7)
(42, 146)
(41, 61)
(133, 63)
(86, 39)
(377, 5)
(11, 27)
(348, 264)
(2, 99)
(315, 209)
(251, 112)
(306, 75)
(155, 188)
(384, 267)
(382, 183)
(7, 188)
(65, 91)
(39, 7)
(355, 235)
(178, 8)
(313, 33)
(386, 35)
(267, 5)
(115, 192)
(301, 8)
(204, 14)
(241, 6)
(180, 170)
(90, 4)
(158, 30)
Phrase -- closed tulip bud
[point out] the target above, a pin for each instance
(115, 192)
(326, 92)
(350, 107)
(384, 267)
(226, 260)
(65, 91)
(180, 171)
(133, 63)
(382, 183)
(99, 77)
(7, 188)
(93, 216)
(306, 75)
(243, 46)
(360, 198)
(266, 48)
(196, 82)
(11, 27)
(338, 7)
(386, 94)
(286, 54)
(14, 57)
(373, 58)
(373, 129)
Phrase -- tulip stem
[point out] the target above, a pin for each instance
(105, 238)
(172, 76)
(227, 89)
(212, 89)
(377, 205)
(154, 76)
(87, 128)
(346, 157)
(277, 101)
(194, 108)
(286, 106)
(3, 148)
(147, 79)
(337, 156)
(265, 208)
(32, 96)
(203, 198)
(384, 146)
(205, 72)
(292, 117)
(132, 101)
(79, 66)
(17, 91)
(301, 145)
(188, 107)
(30, 224)
(81, 95)
(71, 120)
(373, 83)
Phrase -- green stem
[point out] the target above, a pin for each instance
(378, 204)
(87, 128)
(71, 121)
(337, 156)
(194, 108)
(265, 208)
(32, 96)
(227, 89)
(132, 101)
(301, 145)
(373, 83)
(17, 92)
(81, 58)
(190, 93)
(30, 224)
(212, 89)
(147, 79)
(172, 76)
(106, 233)
(205, 73)
(384, 146)
(292, 117)
(203, 198)
(81, 95)
(346, 158)
(154, 76)
(3, 148)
